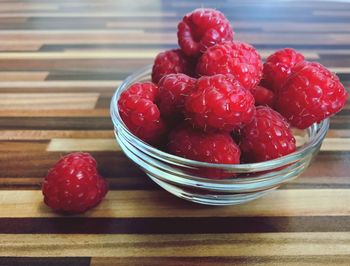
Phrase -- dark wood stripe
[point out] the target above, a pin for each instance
(142, 182)
(225, 261)
(114, 164)
(183, 225)
(97, 123)
(61, 47)
(85, 75)
(301, 185)
(22, 164)
(44, 261)
(59, 123)
(106, 65)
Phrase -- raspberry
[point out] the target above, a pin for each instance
(311, 94)
(205, 147)
(278, 67)
(173, 90)
(219, 103)
(201, 29)
(139, 112)
(263, 96)
(171, 62)
(145, 90)
(267, 137)
(73, 185)
(236, 58)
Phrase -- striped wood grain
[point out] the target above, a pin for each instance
(61, 61)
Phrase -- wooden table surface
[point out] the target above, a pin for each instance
(60, 62)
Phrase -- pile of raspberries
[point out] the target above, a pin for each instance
(214, 100)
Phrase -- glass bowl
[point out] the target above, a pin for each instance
(184, 178)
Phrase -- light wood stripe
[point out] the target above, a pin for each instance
(340, 70)
(338, 133)
(87, 14)
(336, 144)
(182, 245)
(23, 76)
(83, 145)
(293, 38)
(141, 24)
(131, 203)
(50, 85)
(284, 4)
(48, 101)
(329, 144)
(5, 7)
(20, 146)
(101, 112)
(91, 134)
(14, 46)
(52, 134)
(85, 37)
(110, 37)
(306, 181)
(304, 27)
(331, 13)
(134, 54)
(106, 3)
(144, 53)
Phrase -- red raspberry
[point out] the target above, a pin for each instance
(219, 103)
(201, 29)
(171, 62)
(311, 94)
(173, 89)
(145, 90)
(140, 114)
(73, 185)
(263, 96)
(236, 58)
(205, 147)
(267, 137)
(278, 67)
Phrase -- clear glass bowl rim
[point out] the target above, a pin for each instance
(311, 145)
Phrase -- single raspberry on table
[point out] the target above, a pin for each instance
(171, 62)
(205, 147)
(173, 90)
(311, 94)
(263, 96)
(236, 58)
(219, 102)
(278, 67)
(139, 112)
(74, 185)
(201, 29)
(267, 137)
